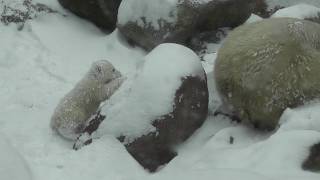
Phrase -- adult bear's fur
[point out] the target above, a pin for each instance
(265, 67)
(74, 110)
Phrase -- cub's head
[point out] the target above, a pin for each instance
(104, 71)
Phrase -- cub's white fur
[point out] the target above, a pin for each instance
(74, 110)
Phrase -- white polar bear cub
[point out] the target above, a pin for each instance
(72, 114)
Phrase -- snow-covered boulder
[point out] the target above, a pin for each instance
(264, 67)
(150, 23)
(12, 165)
(299, 11)
(159, 108)
(103, 13)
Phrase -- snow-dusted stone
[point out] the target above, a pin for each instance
(12, 165)
(19, 11)
(161, 107)
(72, 115)
(299, 11)
(150, 23)
(103, 13)
(264, 67)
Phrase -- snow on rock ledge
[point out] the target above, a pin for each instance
(150, 94)
(159, 108)
(12, 165)
(152, 11)
(150, 23)
(299, 11)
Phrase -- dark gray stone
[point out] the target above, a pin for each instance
(103, 13)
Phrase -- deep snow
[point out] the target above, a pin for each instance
(41, 63)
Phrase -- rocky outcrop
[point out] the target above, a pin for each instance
(103, 13)
(265, 67)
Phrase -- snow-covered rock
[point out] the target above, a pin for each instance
(299, 11)
(163, 105)
(103, 13)
(12, 165)
(264, 67)
(150, 23)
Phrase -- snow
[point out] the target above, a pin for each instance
(287, 3)
(41, 63)
(12, 165)
(148, 13)
(253, 18)
(299, 11)
(151, 93)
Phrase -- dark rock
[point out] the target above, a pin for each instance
(312, 163)
(230, 13)
(265, 67)
(199, 42)
(260, 8)
(189, 113)
(148, 36)
(103, 13)
(191, 18)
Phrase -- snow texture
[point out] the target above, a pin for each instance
(287, 3)
(151, 93)
(12, 165)
(42, 62)
(299, 11)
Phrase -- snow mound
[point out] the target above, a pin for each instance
(150, 94)
(299, 11)
(146, 12)
(12, 165)
(302, 118)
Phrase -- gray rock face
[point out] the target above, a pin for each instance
(189, 113)
(103, 13)
(264, 67)
(190, 16)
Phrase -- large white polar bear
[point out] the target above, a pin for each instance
(73, 112)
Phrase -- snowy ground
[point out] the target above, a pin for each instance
(41, 63)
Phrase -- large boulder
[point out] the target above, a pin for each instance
(159, 108)
(265, 67)
(150, 23)
(103, 13)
